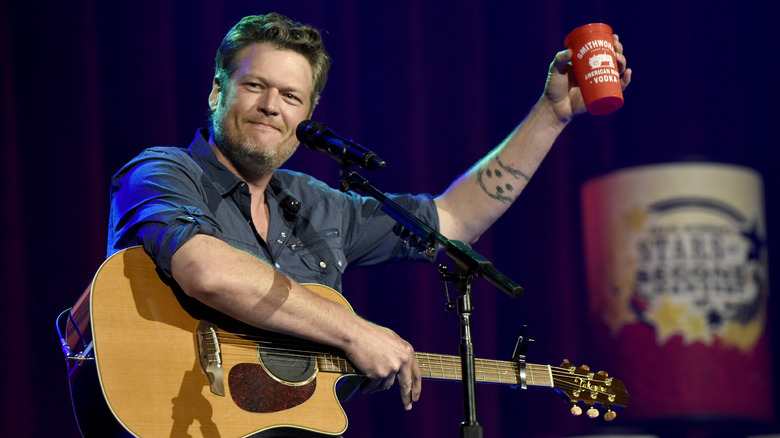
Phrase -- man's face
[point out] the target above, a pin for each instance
(257, 111)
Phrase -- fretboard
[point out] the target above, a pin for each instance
(445, 367)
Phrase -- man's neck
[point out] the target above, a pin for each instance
(256, 184)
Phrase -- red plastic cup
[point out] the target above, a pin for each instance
(595, 67)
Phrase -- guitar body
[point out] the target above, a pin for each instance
(149, 371)
(165, 365)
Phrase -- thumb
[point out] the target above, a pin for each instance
(561, 61)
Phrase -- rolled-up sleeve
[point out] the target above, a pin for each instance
(156, 203)
(370, 235)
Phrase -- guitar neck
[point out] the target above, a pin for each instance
(445, 367)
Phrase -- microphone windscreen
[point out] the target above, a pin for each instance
(307, 132)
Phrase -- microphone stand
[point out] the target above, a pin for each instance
(468, 265)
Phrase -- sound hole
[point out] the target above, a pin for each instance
(289, 368)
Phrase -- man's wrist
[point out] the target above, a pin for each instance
(545, 112)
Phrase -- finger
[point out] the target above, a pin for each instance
(621, 61)
(371, 386)
(617, 44)
(626, 78)
(407, 390)
(561, 61)
(376, 384)
(417, 382)
(619, 55)
(406, 383)
(410, 382)
(388, 382)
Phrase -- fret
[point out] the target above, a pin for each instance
(511, 371)
(479, 366)
(549, 374)
(424, 361)
(540, 375)
(531, 373)
(456, 372)
(322, 363)
(326, 363)
(333, 363)
(484, 365)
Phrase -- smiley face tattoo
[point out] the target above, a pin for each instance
(498, 181)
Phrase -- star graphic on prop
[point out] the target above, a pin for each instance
(743, 336)
(756, 242)
(697, 330)
(668, 319)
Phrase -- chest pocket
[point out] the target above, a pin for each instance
(323, 255)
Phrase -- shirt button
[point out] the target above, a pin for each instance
(284, 234)
(339, 262)
(322, 264)
(279, 241)
(277, 266)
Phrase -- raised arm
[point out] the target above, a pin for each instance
(480, 196)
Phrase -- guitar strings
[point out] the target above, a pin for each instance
(448, 368)
(438, 366)
(298, 348)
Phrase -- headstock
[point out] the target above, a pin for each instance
(579, 384)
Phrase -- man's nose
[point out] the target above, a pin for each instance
(269, 102)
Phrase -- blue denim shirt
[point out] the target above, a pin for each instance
(166, 195)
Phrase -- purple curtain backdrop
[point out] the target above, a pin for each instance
(432, 87)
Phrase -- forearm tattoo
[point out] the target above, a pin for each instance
(496, 180)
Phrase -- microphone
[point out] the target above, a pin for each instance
(290, 207)
(319, 137)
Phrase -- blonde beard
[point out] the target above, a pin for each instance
(244, 156)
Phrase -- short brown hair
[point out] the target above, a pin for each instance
(282, 33)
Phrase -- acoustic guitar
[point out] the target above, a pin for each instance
(156, 363)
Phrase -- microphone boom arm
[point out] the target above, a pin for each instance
(463, 255)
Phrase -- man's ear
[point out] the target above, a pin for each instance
(216, 89)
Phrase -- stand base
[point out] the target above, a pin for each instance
(470, 430)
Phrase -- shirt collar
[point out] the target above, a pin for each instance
(200, 150)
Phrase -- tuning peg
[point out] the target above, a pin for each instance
(610, 415)
(576, 410)
(593, 412)
(585, 367)
(603, 373)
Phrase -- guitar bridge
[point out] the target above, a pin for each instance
(210, 356)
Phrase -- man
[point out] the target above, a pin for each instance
(240, 235)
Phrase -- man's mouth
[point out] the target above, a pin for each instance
(264, 125)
